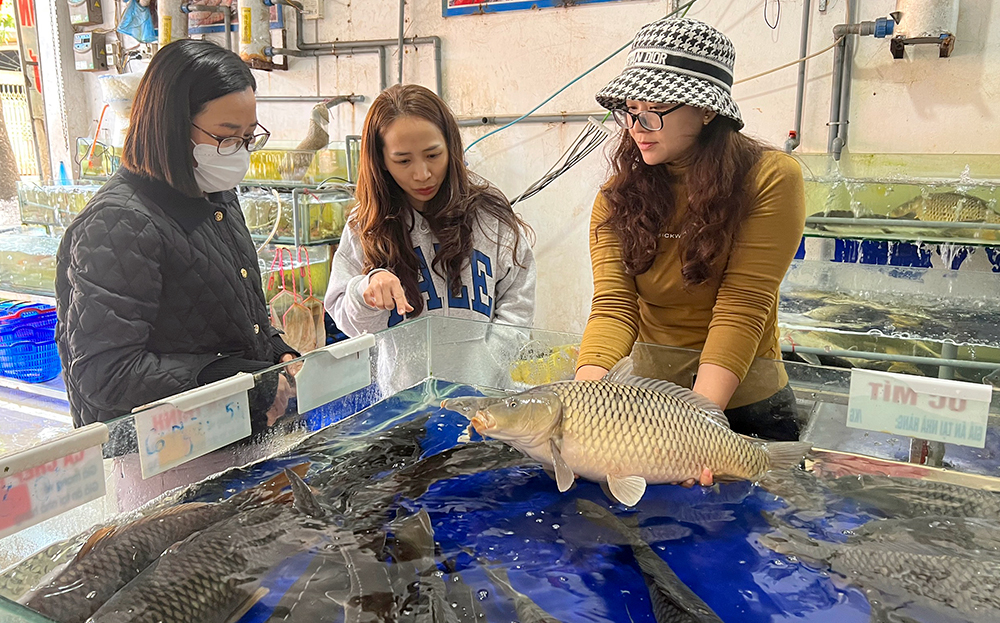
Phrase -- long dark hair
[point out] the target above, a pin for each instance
(383, 216)
(181, 79)
(642, 203)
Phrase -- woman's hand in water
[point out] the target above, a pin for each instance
(294, 368)
(286, 391)
(385, 292)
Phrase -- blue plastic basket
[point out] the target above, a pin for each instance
(8, 307)
(33, 324)
(33, 363)
(27, 345)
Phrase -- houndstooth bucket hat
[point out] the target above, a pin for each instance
(677, 61)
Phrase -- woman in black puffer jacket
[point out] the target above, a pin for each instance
(157, 283)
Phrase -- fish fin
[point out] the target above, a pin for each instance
(414, 537)
(564, 475)
(96, 539)
(303, 498)
(809, 358)
(246, 604)
(784, 454)
(622, 373)
(623, 369)
(627, 489)
(626, 526)
(267, 489)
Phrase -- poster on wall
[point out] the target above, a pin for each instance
(201, 22)
(472, 7)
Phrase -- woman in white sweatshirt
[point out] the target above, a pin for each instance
(426, 236)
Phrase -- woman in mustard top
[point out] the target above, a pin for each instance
(693, 233)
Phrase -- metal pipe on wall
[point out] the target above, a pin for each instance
(469, 122)
(845, 89)
(399, 46)
(838, 70)
(335, 48)
(840, 100)
(380, 51)
(336, 99)
(795, 136)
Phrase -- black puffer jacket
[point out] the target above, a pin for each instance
(158, 293)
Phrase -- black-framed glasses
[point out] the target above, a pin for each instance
(652, 120)
(229, 145)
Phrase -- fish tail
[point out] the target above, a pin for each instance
(303, 498)
(267, 490)
(785, 454)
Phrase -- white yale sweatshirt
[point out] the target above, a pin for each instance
(494, 287)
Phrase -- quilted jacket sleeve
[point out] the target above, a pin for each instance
(114, 286)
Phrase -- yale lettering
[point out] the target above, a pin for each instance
(480, 300)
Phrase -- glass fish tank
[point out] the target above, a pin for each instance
(300, 216)
(382, 504)
(28, 262)
(52, 206)
(904, 197)
(298, 166)
(952, 306)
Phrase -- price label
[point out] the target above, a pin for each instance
(333, 372)
(51, 478)
(183, 429)
(932, 409)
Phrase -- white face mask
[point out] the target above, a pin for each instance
(215, 172)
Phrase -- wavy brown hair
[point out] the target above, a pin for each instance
(642, 202)
(383, 217)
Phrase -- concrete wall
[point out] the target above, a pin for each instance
(506, 63)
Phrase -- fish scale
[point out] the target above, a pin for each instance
(965, 584)
(636, 431)
(81, 589)
(205, 578)
(913, 497)
(947, 207)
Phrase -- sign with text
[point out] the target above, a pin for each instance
(51, 478)
(334, 371)
(169, 436)
(924, 408)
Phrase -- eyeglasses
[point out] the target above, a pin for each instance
(229, 145)
(652, 120)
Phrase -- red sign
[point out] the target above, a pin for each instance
(38, 74)
(26, 10)
(16, 505)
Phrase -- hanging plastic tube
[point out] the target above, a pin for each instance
(172, 21)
